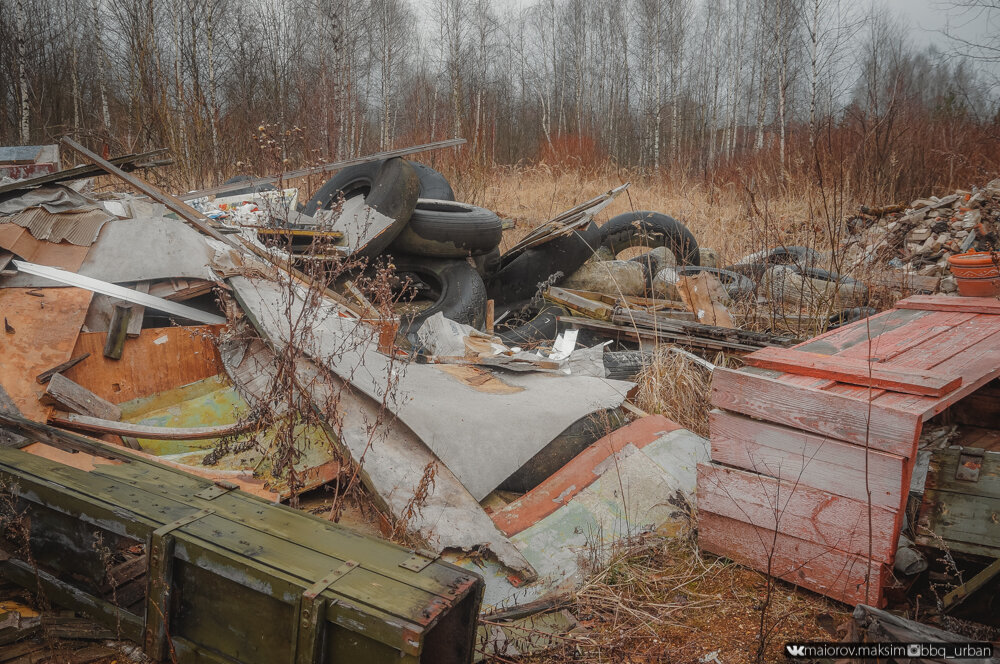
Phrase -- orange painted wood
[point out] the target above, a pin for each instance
(45, 332)
(844, 577)
(853, 371)
(833, 415)
(158, 359)
(797, 510)
(814, 461)
(976, 305)
(578, 474)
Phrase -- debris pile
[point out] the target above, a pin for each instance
(919, 238)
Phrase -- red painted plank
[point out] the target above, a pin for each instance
(835, 341)
(979, 364)
(577, 474)
(889, 345)
(836, 574)
(853, 371)
(833, 415)
(797, 510)
(976, 305)
(815, 461)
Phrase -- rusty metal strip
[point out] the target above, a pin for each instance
(312, 608)
(159, 579)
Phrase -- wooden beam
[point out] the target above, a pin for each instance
(973, 305)
(100, 425)
(135, 319)
(958, 595)
(85, 171)
(854, 371)
(325, 168)
(182, 209)
(826, 413)
(579, 304)
(63, 392)
(117, 331)
(44, 377)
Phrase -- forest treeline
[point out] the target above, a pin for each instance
(686, 88)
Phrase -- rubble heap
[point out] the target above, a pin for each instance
(919, 238)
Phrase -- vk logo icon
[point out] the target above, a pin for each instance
(795, 651)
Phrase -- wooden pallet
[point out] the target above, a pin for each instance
(802, 437)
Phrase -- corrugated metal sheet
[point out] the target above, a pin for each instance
(79, 228)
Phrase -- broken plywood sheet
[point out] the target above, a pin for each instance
(637, 491)
(482, 436)
(44, 333)
(144, 249)
(180, 355)
(394, 458)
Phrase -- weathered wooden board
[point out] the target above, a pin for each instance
(977, 305)
(45, 331)
(839, 339)
(815, 461)
(833, 415)
(962, 510)
(844, 577)
(797, 510)
(854, 371)
(180, 355)
(63, 392)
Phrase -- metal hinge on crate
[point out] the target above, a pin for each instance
(970, 462)
(312, 607)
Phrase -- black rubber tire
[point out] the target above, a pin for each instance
(737, 285)
(543, 327)
(650, 229)
(518, 278)
(826, 275)
(651, 266)
(802, 256)
(267, 186)
(794, 257)
(852, 315)
(357, 180)
(461, 294)
(351, 181)
(626, 364)
(563, 448)
(487, 264)
(432, 184)
(446, 229)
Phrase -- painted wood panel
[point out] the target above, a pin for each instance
(816, 461)
(833, 415)
(844, 577)
(180, 355)
(41, 334)
(854, 371)
(798, 510)
(978, 305)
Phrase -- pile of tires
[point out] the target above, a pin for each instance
(431, 238)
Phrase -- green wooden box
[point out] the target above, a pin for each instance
(204, 574)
